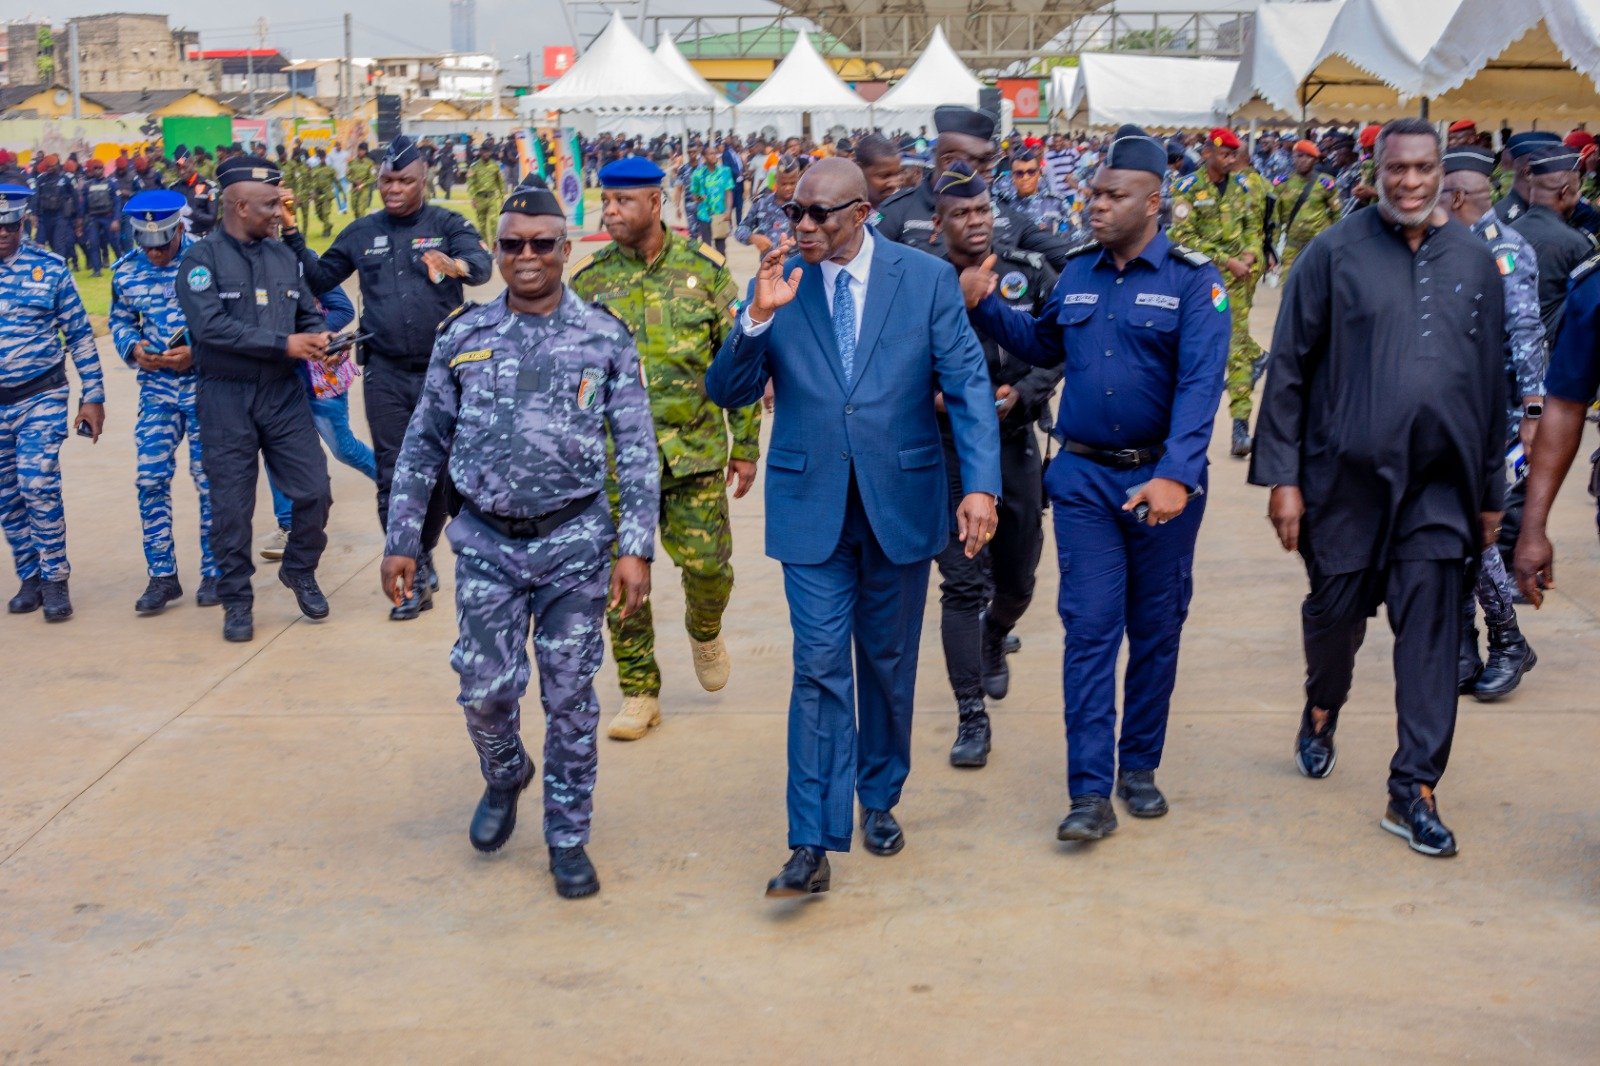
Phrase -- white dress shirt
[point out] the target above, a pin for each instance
(859, 269)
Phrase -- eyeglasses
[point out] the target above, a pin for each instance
(1020, 172)
(513, 246)
(795, 211)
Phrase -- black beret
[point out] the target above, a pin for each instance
(960, 181)
(402, 153)
(529, 200)
(1554, 158)
(972, 121)
(247, 168)
(1134, 149)
(1476, 160)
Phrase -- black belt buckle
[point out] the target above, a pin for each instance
(1132, 458)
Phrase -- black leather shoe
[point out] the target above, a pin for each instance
(28, 598)
(157, 594)
(1013, 644)
(313, 604)
(880, 833)
(1509, 658)
(806, 873)
(1137, 789)
(992, 656)
(1314, 753)
(1418, 824)
(496, 816)
(971, 749)
(1241, 439)
(1091, 818)
(1469, 664)
(57, 603)
(206, 595)
(238, 625)
(573, 873)
(421, 598)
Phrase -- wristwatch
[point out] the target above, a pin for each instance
(1533, 409)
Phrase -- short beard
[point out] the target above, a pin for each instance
(1418, 218)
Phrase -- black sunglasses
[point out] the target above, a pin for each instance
(513, 246)
(794, 211)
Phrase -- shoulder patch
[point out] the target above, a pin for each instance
(1327, 182)
(716, 258)
(1083, 249)
(1186, 182)
(603, 309)
(453, 315)
(476, 356)
(1188, 255)
(1584, 269)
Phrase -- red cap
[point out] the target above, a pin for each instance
(1223, 138)
(1031, 142)
(1308, 148)
(70, 166)
(5, 157)
(1369, 136)
(49, 161)
(1579, 139)
(1465, 125)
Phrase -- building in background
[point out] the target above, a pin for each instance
(463, 25)
(118, 53)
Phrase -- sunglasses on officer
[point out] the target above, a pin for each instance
(795, 211)
(542, 246)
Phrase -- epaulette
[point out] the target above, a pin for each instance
(716, 258)
(1188, 255)
(1327, 182)
(124, 257)
(1584, 269)
(1018, 255)
(902, 194)
(1186, 182)
(1491, 232)
(41, 249)
(1083, 248)
(603, 309)
(584, 264)
(453, 315)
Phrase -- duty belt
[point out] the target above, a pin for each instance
(1117, 459)
(54, 378)
(535, 528)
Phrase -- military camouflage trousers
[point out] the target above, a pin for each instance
(694, 529)
(35, 523)
(1291, 252)
(1243, 351)
(488, 221)
(166, 416)
(360, 200)
(559, 585)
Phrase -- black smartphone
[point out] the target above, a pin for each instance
(1142, 512)
(344, 341)
(83, 428)
(179, 339)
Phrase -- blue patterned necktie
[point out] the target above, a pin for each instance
(844, 323)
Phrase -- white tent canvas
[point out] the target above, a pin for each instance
(1370, 65)
(1284, 48)
(672, 58)
(1517, 64)
(937, 77)
(618, 74)
(1063, 87)
(1156, 92)
(803, 84)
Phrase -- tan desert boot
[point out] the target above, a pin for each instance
(711, 663)
(638, 714)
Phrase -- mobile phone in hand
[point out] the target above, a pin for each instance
(84, 429)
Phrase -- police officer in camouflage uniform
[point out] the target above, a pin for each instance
(1307, 202)
(678, 299)
(1220, 213)
(983, 597)
(486, 187)
(39, 306)
(149, 333)
(765, 224)
(1020, 191)
(363, 177)
(519, 398)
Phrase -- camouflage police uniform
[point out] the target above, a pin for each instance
(1224, 222)
(39, 306)
(765, 218)
(1048, 213)
(521, 406)
(679, 308)
(1319, 211)
(362, 174)
(486, 188)
(144, 307)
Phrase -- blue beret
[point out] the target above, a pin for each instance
(959, 181)
(1520, 144)
(630, 172)
(13, 203)
(154, 216)
(1134, 149)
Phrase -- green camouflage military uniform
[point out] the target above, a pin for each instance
(207, 170)
(321, 179)
(1225, 225)
(362, 174)
(487, 189)
(1320, 210)
(297, 179)
(680, 308)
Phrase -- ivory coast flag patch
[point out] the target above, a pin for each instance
(1507, 263)
(1219, 297)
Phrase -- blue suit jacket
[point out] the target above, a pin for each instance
(915, 341)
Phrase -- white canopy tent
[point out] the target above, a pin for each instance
(1284, 48)
(1155, 92)
(618, 74)
(1517, 63)
(718, 114)
(803, 84)
(937, 77)
(1063, 85)
(1370, 65)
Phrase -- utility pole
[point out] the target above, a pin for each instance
(349, 68)
(72, 46)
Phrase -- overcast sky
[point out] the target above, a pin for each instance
(311, 28)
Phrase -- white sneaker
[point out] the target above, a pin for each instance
(272, 548)
(711, 663)
(638, 714)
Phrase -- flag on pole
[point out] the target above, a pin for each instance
(571, 183)
(541, 165)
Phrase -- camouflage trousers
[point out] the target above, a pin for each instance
(165, 417)
(488, 221)
(558, 584)
(1291, 252)
(323, 202)
(1243, 351)
(360, 200)
(35, 523)
(302, 210)
(694, 529)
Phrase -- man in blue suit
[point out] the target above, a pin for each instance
(857, 336)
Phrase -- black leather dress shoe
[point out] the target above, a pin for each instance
(238, 625)
(573, 873)
(421, 598)
(992, 657)
(880, 833)
(496, 816)
(806, 873)
(157, 594)
(1091, 818)
(1314, 753)
(1013, 644)
(1137, 789)
(28, 598)
(1510, 657)
(971, 749)
(313, 604)
(206, 595)
(1418, 824)
(57, 602)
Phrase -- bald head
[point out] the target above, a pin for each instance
(831, 181)
(835, 189)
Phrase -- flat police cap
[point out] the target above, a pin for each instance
(972, 121)
(1520, 144)
(402, 153)
(1476, 160)
(1134, 149)
(631, 172)
(242, 168)
(155, 216)
(527, 200)
(13, 203)
(1554, 158)
(960, 181)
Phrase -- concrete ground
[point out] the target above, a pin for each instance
(215, 852)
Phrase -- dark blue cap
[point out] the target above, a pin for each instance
(630, 172)
(248, 168)
(1520, 144)
(13, 203)
(402, 153)
(1469, 158)
(154, 216)
(1554, 158)
(1134, 149)
(960, 181)
(971, 121)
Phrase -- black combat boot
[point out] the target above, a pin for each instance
(496, 816)
(992, 656)
(238, 623)
(28, 598)
(307, 596)
(1091, 818)
(1469, 663)
(573, 873)
(206, 595)
(421, 598)
(157, 594)
(971, 749)
(1509, 658)
(57, 603)
(1241, 438)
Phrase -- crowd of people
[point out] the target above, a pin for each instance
(1437, 327)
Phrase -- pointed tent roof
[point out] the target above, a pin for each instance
(803, 82)
(937, 77)
(1538, 62)
(1284, 48)
(671, 57)
(618, 73)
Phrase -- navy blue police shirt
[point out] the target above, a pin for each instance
(1574, 370)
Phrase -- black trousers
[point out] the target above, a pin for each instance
(999, 579)
(392, 395)
(1424, 601)
(239, 421)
